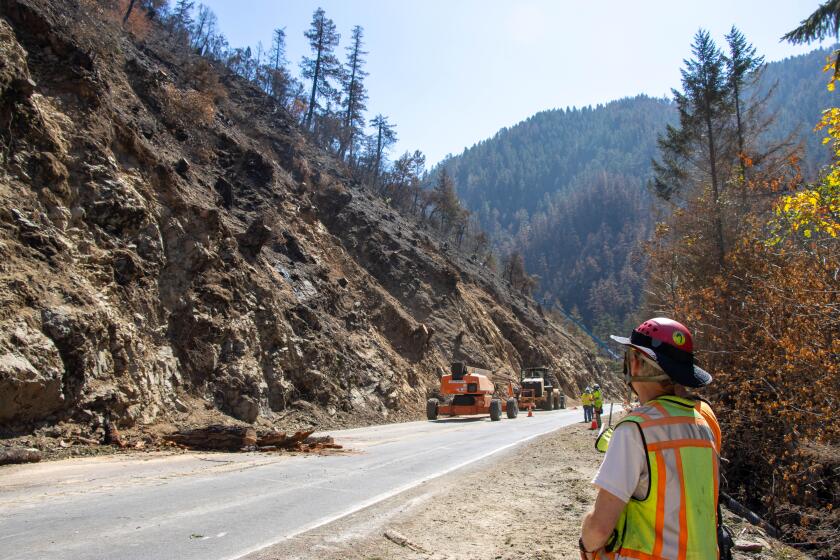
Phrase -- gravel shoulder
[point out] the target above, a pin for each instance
(526, 502)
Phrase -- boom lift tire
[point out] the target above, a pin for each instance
(512, 408)
(495, 410)
(432, 409)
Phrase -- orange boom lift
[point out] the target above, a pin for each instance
(468, 390)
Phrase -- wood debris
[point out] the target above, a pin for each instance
(237, 438)
(299, 441)
(400, 540)
(14, 456)
(216, 437)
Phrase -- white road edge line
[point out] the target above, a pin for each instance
(384, 496)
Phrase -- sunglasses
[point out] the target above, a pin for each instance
(628, 378)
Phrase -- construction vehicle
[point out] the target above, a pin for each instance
(538, 387)
(468, 390)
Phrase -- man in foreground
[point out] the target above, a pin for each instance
(658, 484)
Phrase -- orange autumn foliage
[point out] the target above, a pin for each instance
(768, 326)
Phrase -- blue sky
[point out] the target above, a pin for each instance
(450, 73)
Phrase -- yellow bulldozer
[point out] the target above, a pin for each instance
(539, 388)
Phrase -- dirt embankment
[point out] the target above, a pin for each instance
(173, 251)
(525, 504)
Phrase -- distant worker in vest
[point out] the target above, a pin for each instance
(658, 484)
(597, 403)
(586, 401)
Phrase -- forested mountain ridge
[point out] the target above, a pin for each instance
(567, 188)
(514, 170)
(799, 97)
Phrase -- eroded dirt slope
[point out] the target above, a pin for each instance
(166, 260)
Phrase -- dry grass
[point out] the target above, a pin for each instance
(113, 11)
(188, 106)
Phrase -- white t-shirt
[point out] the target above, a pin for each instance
(624, 472)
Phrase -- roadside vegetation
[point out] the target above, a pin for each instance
(749, 255)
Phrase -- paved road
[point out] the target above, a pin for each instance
(219, 506)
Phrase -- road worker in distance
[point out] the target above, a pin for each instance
(658, 484)
(597, 403)
(586, 401)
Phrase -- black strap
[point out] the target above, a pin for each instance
(724, 537)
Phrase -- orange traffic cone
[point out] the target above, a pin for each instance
(593, 425)
(530, 411)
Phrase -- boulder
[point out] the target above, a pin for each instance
(225, 191)
(182, 166)
(252, 241)
(31, 373)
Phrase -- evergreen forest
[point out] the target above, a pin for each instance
(569, 189)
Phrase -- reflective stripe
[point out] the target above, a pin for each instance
(680, 443)
(677, 431)
(683, 516)
(671, 420)
(652, 412)
(661, 409)
(673, 502)
(660, 504)
(706, 411)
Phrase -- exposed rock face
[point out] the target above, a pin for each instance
(152, 264)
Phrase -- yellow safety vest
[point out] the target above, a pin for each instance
(677, 520)
(586, 399)
(599, 400)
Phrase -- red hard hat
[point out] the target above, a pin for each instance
(669, 343)
(668, 331)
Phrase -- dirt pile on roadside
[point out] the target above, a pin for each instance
(175, 252)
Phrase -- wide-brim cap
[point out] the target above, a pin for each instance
(687, 374)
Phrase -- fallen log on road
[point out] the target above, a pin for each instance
(216, 437)
(281, 439)
(237, 438)
(16, 455)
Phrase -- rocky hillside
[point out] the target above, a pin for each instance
(172, 248)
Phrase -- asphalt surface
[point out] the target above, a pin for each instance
(225, 505)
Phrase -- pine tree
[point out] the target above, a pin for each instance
(699, 144)
(259, 77)
(823, 23)
(151, 7)
(743, 70)
(128, 11)
(278, 49)
(384, 137)
(204, 29)
(323, 66)
(405, 179)
(279, 83)
(181, 20)
(447, 205)
(354, 94)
